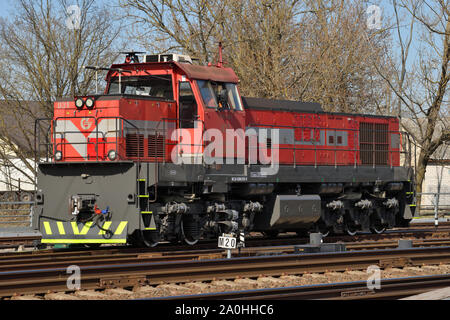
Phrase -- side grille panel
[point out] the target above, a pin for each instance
(156, 146)
(134, 145)
(374, 143)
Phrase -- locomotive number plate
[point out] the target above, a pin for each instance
(227, 242)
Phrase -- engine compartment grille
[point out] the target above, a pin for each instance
(374, 143)
(134, 145)
(155, 146)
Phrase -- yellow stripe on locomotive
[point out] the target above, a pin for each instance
(73, 232)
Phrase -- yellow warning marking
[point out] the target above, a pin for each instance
(83, 240)
(47, 228)
(143, 196)
(149, 228)
(409, 192)
(106, 226)
(146, 212)
(141, 180)
(86, 228)
(60, 227)
(120, 228)
(412, 205)
(75, 228)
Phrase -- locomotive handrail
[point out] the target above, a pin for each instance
(119, 134)
(37, 138)
(314, 142)
(37, 150)
(356, 149)
(176, 120)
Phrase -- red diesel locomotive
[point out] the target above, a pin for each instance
(172, 152)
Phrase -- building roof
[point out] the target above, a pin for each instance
(17, 122)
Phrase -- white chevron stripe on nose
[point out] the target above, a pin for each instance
(66, 129)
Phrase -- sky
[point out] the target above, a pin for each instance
(7, 6)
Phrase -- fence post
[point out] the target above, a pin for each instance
(31, 216)
(436, 197)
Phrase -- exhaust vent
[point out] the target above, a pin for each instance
(155, 146)
(135, 145)
(374, 143)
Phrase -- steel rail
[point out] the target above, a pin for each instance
(33, 264)
(36, 259)
(146, 272)
(394, 288)
(413, 231)
(57, 259)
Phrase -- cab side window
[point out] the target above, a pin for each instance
(208, 93)
(220, 95)
(188, 105)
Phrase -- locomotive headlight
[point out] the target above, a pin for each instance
(112, 155)
(58, 155)
(89, 103)
(79, 103)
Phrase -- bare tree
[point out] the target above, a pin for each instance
(420, 87)
(288, 49)
(190, 26)
(337, 51)
(42, 50)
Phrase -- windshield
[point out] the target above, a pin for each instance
(151, 86)
(220, 95)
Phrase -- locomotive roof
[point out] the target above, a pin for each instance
(192, 71)
(283, 105)
(297, 106)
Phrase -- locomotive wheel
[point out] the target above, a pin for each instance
(351, 230)
(324, 232)
(187, 238)
(149, 239)
(322, 228)
(377, 229)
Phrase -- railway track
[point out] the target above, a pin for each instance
(417, 231)
(48, 259)
(389, 289)
(426, 231)
(146, 271)
(11, 241)
(40, 271)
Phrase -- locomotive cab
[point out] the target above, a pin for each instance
(142, 105)
(145, 112)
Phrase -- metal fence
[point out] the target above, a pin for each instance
(16, 213)
(434, 203)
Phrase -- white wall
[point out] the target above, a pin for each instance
(436, 176)
(9, 176)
